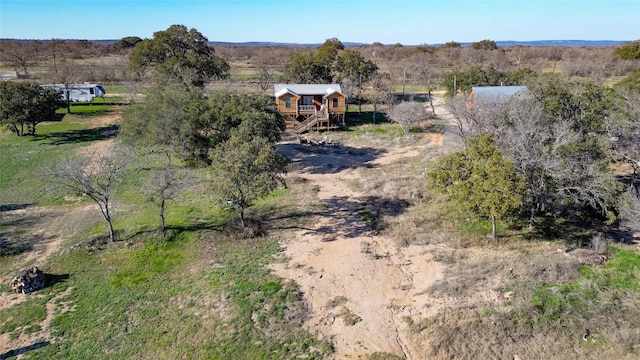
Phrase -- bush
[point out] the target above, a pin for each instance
(629, 51)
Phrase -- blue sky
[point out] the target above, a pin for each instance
(409, 22)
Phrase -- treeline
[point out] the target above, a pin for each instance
(404, 64)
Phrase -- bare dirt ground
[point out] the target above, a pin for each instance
(360, 286)
(345, 270)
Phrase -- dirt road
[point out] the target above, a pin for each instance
(361, 287)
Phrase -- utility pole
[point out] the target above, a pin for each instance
(360, 95)
(404, 79)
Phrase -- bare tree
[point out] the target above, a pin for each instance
(630, 212)
(421, 68)
(67, 73)
(470, 121)
(20, 55)
(266, 79)
(625, 131)
(408, 114)
(94, 176)
(378, 91)
(166, 185)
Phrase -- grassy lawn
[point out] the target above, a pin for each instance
(25, 160)
(596, 292)
(198, 296)
(197, 292)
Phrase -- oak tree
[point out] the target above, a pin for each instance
(480, 180)
(179, 55)
(245, 171)
(168, 119)
(26, 104)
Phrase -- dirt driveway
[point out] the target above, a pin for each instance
(360, 286)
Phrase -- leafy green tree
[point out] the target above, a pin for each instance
(178, 120)
(26, 104)
(464, 80)
(628, 51)
(183, 121)
(631, 81)
(328, 52)
(169, 120)
(307, 68)
(561, 150)
(179, 55)
(522, 76)
(353, 66)
(314, 67)
(245, 171)
(480, 180)
(484, 45)
(451, 45)
(251, 115)
(586, 105)
(126, 43)
(166, 124)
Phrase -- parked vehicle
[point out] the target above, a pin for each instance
(79, 92)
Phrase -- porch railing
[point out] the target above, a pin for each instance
(307, 108)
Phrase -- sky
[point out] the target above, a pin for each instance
(408, 22)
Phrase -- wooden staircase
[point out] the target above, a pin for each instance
(307, 124)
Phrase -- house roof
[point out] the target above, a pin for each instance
(497, 93)
(306, 89)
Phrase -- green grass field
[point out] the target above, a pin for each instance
(197, 292)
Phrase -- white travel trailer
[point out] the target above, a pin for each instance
(79, 92)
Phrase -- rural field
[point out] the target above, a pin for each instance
(357, 256)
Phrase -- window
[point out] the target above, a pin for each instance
(307, 100)
(335, 102)
(287, 103)
(91, 91)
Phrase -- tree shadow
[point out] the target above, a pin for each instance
(13, 207)
(79, 136)
(52, 279)
(15, 238)
(622, 235)
(24, 349)
(344, 217)
(57, 117)
(420, 97)
(366, 117)
(330, 159)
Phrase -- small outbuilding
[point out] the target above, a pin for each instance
(309, 106)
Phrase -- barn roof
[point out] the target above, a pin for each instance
(497, 93)
(306, 89)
